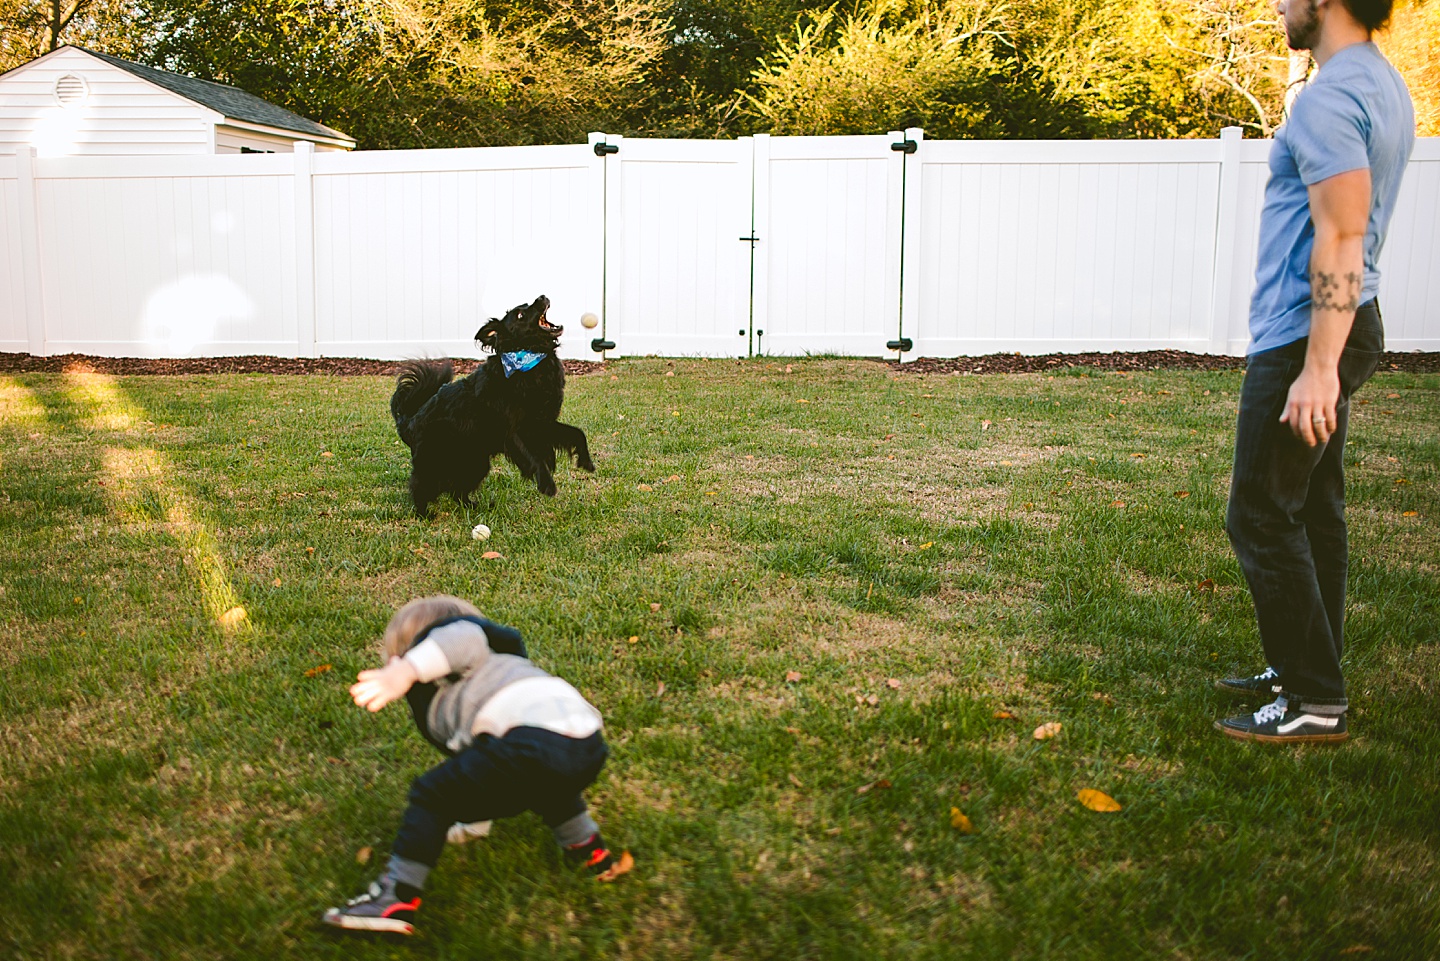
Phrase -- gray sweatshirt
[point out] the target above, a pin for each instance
(481, 692)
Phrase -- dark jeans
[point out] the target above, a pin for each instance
(1287, 515)
(529, 769)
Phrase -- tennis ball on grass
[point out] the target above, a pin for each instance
(479, 532)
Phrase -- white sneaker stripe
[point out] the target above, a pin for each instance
(1321, 721)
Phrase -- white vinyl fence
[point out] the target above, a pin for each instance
(763, 245)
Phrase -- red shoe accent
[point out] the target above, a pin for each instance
(401, 906)
(596, 856)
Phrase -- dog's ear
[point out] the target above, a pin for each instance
(486, 336)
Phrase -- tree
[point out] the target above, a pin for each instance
(32, 28)
(1410, 44)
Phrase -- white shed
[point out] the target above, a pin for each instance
(74, 101)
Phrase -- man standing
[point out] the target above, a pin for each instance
(1316, 336)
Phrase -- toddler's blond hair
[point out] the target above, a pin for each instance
(417, 615)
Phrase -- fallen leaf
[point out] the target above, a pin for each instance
(362, 856)
(881, 784)
(672, 478)
(309, 550)
(749, 456)
(984, 425)
(669, 373)
(1117, 503)
(960, 822)
(1047, 730)
(1003, 715)
(789, 369)
(801, 400)
(1206, 586)
(654, 607)
(927, 545)
(1182, 494)
(888, 437)
(795, 781)
(625, 865)
(1097, 800)
(326, 454)
(660, 689)
(1392, 396)
(317, 670)
(1103, 698)
(893, 684)
(643, 487)
(233, 617)
(872, 700)
(1410, 514)
(634, 639)
(275, 582)
(491, 556)
(792, 677)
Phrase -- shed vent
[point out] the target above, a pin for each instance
(70, 90)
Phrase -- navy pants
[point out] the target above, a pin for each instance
(529, 769)
(1287, 515)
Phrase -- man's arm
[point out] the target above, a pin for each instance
(1340, 210)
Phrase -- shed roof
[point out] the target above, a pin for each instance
(233, 102)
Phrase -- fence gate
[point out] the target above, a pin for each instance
(830, 218)
(677, 275)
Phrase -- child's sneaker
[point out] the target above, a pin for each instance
(462, 833)
(1262, 684)
(1277, 724)
(378, 909)
(597, 859)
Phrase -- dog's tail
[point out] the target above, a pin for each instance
(419, 380)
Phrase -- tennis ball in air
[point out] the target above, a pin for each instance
(589, 320)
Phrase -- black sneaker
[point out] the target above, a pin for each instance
(596, 858)
(378, 909)
(1263, 684)
(1277, 724)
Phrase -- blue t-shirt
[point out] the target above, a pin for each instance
(1355, 113)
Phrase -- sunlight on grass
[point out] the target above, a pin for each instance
(107, 407)
(19, 406)
(139, 476)
(136, 475)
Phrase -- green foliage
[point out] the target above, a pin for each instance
(442, 73)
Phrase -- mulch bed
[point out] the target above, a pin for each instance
(1417, 362)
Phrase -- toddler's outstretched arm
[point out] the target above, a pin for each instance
(372, 690)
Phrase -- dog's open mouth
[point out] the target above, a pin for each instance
(549, 328)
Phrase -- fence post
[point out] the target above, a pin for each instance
(304, 249)
(1227, 219)
(760, 226)
(910, 240)
(30, 251)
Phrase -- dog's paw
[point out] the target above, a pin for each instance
(547, 486)
(585, 464)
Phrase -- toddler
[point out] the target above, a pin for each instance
(518, 739)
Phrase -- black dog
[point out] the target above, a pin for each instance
(510, 405)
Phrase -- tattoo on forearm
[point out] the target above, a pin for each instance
(1335, 291)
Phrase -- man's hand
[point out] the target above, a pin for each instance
(1310, 406)
(372, 690)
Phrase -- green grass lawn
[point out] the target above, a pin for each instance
(928, 555)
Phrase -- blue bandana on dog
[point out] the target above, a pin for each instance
(519, 360)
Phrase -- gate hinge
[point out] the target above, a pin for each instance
(905, 146)
(902, 345)
(601, 149)
(600, 344)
